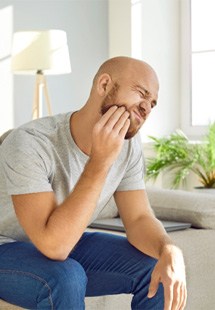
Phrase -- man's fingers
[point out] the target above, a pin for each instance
(177, 296)
(107, 115)
(110, 118)
(184, 298)
(153, 287)
(168, 297)
(124, 129)
(121, 121)
(116, 120)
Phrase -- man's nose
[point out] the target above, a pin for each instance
(146, 106)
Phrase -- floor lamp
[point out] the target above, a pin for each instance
(40, 53)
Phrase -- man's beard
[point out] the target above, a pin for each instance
(111, 100)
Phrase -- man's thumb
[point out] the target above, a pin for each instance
(153, 287)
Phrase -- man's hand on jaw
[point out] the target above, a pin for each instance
(108, 135)
(170, 271)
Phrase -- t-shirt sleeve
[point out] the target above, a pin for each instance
(26, 164)
(134, 175)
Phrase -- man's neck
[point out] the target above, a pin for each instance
(81, 126)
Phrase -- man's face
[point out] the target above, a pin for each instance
(137, 100)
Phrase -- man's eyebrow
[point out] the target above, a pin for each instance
(142, 88)
(146, 91)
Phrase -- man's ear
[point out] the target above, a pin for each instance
(103, 84)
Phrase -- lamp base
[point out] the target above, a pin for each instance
(40, 88)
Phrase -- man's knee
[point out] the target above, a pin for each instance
(65, 286)
(68, 275)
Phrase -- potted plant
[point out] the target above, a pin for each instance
(179, 156)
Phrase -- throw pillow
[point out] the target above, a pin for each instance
(178, 205)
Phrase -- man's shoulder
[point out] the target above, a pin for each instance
(37, 132)
(47, 123)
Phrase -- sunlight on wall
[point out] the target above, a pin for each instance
(149, 30)
(6, 78)
(136, 29)
(119, 28)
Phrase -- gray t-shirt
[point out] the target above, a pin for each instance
(41, 156)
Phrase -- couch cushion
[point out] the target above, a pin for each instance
(178, 205)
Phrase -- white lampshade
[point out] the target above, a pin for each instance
(45, 51)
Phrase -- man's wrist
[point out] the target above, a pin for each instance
(172, 254)
(99, 165)
(170, 249)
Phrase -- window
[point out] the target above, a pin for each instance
(197, 66)
(202, 62)
(136, 29)
(193, 50)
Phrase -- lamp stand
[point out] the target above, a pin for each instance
(40, 89)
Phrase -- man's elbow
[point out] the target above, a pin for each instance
(56, 256)
(55, 252)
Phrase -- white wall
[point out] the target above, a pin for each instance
(90, 43)
(161, 49)
(119, 27)
(86, 24)
(6, 79)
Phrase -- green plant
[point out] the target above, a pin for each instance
(178, 155)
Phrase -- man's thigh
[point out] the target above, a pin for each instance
(31, 280)
(112, 264)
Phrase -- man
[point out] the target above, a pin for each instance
(57, 174)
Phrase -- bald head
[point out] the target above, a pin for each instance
(122, 66)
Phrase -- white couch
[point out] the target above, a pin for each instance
(197, 244)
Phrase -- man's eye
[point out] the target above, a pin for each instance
(153, 104)
(142, 94)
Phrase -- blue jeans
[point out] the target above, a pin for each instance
(100, 264)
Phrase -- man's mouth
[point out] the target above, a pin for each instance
(138, 116)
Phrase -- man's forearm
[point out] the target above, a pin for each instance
(148, 235)
(68, 221)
